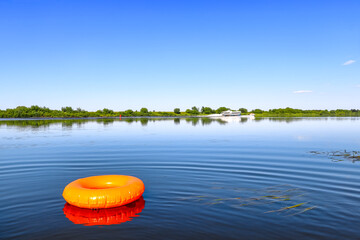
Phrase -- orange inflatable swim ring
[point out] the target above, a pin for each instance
(105, 191)
(105, 216)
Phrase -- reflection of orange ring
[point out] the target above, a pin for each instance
(103, 191)
(108, 216)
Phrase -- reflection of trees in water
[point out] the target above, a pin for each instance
(193, 121)
(42, 124)
(144, 121)
(289, 119)
(128, 120)
(105, 121)
(26, 123)
(298, 119)
(244, 120)
(68, 124)
(286, 120)
(204, 121)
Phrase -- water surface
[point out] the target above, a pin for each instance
(213, 179)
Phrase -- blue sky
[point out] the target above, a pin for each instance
(167, 54)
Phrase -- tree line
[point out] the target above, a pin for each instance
(69, 112)
(291, 112)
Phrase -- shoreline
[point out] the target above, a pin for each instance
(170, 117)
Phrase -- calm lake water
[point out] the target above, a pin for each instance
(204, 179)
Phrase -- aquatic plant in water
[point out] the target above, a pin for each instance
(280, 199)
(339, 156)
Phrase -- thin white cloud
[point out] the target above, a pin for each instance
(349, 62)
(303, 91)
(358, 85)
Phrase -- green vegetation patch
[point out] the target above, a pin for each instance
(339, 156)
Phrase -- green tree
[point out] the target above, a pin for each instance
(221, 109)
(177, 110)
(195, 110)
(67, 109)
(243, 110)
(35, 108)
(107, 111)
(207, 110)
(129, 112)
(257, 111)
(144, 110)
